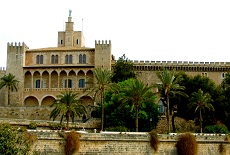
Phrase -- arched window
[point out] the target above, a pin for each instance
(80, 59)
(77, 41)
(37, 59)
(84, 59)
(66, 59)
(61, 42)
(52, 59)
(56, 59)
(81, 83)
(41, 59)
(70, 59)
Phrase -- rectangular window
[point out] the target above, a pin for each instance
(69, 83)
(37, 84)
(81, 83)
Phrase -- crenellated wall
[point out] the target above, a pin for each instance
(147, 69)
(103, 54)
(116, 143)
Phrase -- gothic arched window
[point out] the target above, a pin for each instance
(80, 59)
(84, 59)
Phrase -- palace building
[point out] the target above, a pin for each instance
(46, 72)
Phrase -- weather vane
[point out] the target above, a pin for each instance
(70, 11)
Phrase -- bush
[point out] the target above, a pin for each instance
(32, 125)
(118, 128)
(154, 141)
(56, 126)
(183, 126)
(186, 144)
(216, 129)
(14, 141)
(72, 143)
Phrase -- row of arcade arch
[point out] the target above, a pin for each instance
(46, 101)
(56, 79)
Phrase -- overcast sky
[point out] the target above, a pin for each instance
(156, 30)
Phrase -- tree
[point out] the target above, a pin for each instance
(15, 140)
(169, 87)
(193, 84)
(67, 105)
(10, 83)
(100, 83)
(116, 117)
(123, 70)
(225, 85)
(201, 101)
(135, 92)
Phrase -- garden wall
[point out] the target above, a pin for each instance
(125, 143)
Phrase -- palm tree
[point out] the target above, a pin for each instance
(67, 105)
(10, 83)
(201, 101)
(136, 93)
(169, 87)
(98, 85)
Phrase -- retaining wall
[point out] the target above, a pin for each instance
(116, 143)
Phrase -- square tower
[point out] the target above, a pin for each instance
(69, 37)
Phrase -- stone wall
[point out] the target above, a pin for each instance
(41, 115)
(115, 143)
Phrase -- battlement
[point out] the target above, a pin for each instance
(16, 45)
(179, 63)
(102, 42)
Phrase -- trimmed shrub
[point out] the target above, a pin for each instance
(56, 126)
(187, 144)
(154, 140)
(32, 125)
(118, 128)
(72, 143)
(218, 128)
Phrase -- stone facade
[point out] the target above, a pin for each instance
(115, 143)
(46, 72)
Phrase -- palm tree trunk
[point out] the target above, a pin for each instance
(67, 120)
(173, 119)
(168, 113)
(201, 121)
(102, 111)
(136, 121)
(8, 96)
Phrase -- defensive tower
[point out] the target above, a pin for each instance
(103, 54)
(15, 64)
